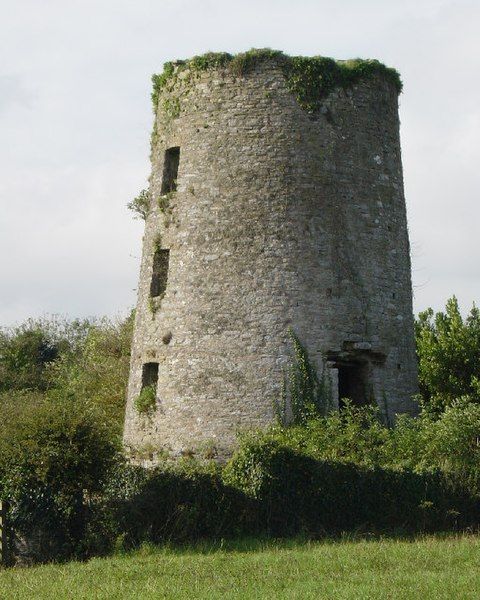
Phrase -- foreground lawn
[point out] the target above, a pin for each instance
(424, 568)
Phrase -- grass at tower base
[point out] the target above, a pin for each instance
(427, 567)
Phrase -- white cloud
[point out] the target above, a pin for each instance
(75, 117)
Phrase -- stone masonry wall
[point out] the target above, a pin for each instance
(280, 220)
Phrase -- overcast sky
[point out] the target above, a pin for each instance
(75, 119)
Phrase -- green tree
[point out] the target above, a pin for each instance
(27, 350)
(85, 361)
(448, 348)
(97, 372)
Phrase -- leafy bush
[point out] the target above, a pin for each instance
(177, 502)
(351, 435)
(449, 443)
(97, 372)
(54, 457)
(341, 473)
(62, 399)
(87, 361)
(452, 442)
(317, 472)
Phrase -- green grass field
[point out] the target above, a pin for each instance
(433, 567)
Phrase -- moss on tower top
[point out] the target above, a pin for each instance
(309, 78)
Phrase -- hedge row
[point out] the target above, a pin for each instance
(71, 495)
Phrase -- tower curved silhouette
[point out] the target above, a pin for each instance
(268, 215)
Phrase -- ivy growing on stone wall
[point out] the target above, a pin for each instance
(171, 106)
(309, 78)
(304, 395)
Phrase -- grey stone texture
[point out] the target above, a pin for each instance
(281, 219)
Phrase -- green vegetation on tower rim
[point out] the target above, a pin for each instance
(309, 78)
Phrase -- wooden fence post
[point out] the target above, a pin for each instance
(3, 533)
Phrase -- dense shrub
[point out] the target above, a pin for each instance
(452, 442)
(449, 442)
(85, 361)
(54, 457)
(62, 396)
(351, 435)
(97, 373)
(343, 472)
(337, 473)
(348, 470)
(183, 501)
(296, 493)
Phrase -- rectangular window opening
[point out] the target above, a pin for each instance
(170, 170)
(150, 375)
(353, 384)
(161, 260)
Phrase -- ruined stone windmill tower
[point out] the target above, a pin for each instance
(276, 204)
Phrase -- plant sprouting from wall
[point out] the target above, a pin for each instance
(164, 202)
(140, 205)
(304, 396)
(157, 243)
(171, 107)
(146, 400)
(309, 78)
(166, 208)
